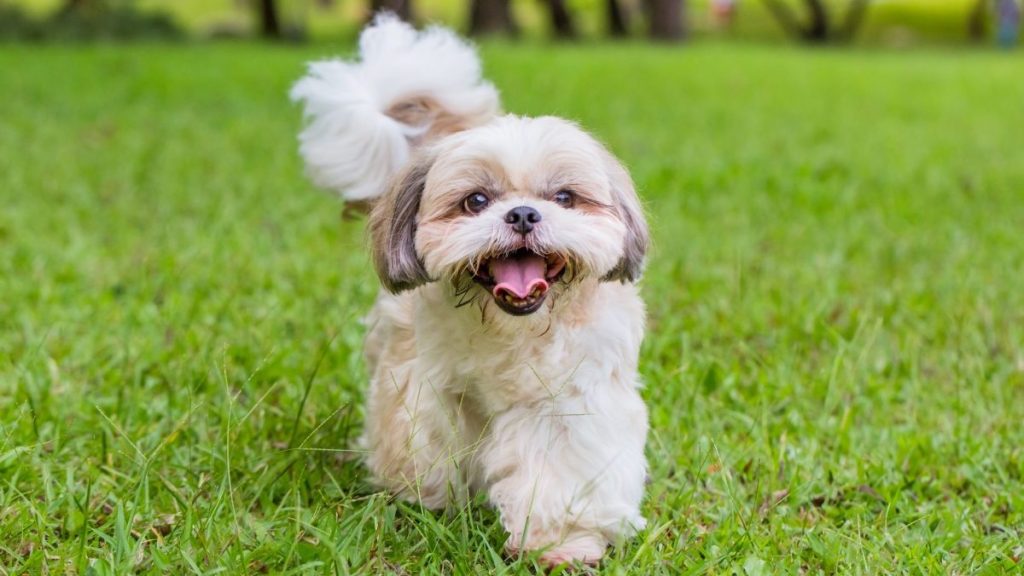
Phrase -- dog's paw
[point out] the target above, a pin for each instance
(577, 549)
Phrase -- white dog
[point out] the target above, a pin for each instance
(503, 352)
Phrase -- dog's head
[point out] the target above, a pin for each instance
(513, 209)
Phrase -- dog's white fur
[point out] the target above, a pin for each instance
(541, 412)
(350, 145)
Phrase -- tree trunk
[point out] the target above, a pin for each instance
(666, 19)
(491, 17)
(618, 22)
(817, 30)
(400, 8)
(977, 21)
(561, 19)
(270, 24)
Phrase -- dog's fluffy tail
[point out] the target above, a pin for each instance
(365, 117)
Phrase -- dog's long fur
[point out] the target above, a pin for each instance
(540, 411)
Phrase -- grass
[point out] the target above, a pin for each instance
(834, 364)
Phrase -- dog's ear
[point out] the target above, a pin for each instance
(627, 203)
(392, 228)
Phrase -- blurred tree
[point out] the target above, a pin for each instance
(977, 21)
(618, 19)
(561, 19)
(818, 27)
(103, 19)
(666, 19)
(491, 17)
(270, 23)
(72, 5)
(401, 8)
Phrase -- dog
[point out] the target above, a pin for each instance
(503, 347)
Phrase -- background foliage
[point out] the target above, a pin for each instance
(890, 23)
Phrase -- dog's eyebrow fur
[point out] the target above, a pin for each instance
(455, 208)
(581, 196)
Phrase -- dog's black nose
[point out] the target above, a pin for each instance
(522, 218)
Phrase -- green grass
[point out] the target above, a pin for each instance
(834, 364)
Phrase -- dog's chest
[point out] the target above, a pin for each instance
(524, 372)
(504, 361)
(501, 370)
(508, 362)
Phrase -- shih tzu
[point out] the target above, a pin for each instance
(503, 348)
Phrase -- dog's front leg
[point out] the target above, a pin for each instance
(412, 436)
(568, 480)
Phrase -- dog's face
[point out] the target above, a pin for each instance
(514, 209)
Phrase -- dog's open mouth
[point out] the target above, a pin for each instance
(519, 281)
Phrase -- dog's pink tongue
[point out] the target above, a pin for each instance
(519, 276)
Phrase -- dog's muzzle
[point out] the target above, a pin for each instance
(519, 281)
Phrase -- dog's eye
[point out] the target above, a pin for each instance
(564, 198)
(475, 202)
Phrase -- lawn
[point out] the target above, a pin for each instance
(834, 362)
